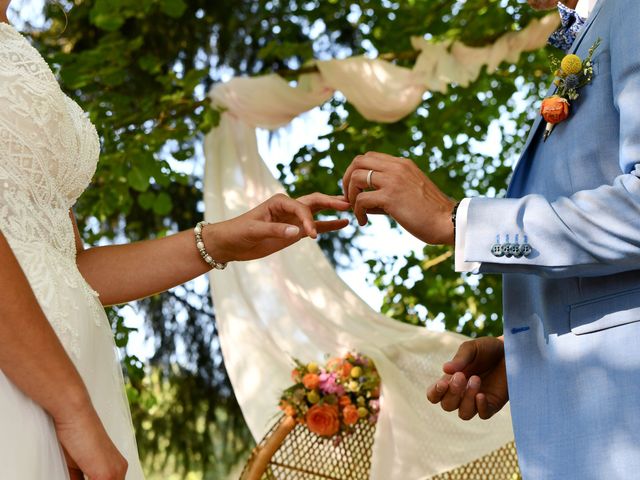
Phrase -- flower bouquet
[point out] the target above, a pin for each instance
(328, 424)
(332, 399)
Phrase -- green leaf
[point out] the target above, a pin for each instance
(147, 200)
(163, 204)
(137, 179)
(173, 8)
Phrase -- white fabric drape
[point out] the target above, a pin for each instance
(293, 304)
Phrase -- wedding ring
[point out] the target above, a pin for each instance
(369, 175)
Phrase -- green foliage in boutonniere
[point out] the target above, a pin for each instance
(571, 74)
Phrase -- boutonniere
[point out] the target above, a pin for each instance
(571, 74)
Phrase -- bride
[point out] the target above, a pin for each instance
(63, 412)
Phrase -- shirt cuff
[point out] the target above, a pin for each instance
(461, 237)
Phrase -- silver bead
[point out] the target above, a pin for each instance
(208, 259)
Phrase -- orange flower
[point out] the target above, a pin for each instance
(334, 364)
(344, 401)
(350, 415)
(554, 109)
(323, 420)
(346, 369)
(288, 409)
(311, 381)
(295, 375)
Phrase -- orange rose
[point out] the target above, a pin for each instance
(323, 420)
(554, 109)
(344, 401)
(346, 369)
(350, 415)
(311, 381)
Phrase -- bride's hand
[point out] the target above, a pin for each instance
(272, 226)
(88, 449)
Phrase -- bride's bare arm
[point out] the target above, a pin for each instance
(33, 358)
(123, 273)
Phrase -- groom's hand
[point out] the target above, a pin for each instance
(380, 183)
(475, 380)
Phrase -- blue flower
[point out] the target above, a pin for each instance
(572, 82)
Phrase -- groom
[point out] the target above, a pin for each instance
(567, 240)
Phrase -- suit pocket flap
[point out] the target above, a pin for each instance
(607, 312)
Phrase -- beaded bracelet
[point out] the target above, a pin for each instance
(201, 248)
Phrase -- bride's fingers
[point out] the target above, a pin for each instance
(331, 225)
(258, 231)
(283, 206)
(319, 201)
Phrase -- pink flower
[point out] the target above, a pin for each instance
(329, 385)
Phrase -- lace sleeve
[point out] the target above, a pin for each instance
(32, 146)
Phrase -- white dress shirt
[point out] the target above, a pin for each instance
(583, 8)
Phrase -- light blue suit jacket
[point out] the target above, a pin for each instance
(572, 307)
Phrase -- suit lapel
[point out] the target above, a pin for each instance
(533, 133)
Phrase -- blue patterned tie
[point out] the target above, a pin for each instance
(571, 23)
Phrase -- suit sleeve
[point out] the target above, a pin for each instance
(592, 232)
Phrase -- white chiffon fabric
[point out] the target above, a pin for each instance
(48, 154)
(293, 304)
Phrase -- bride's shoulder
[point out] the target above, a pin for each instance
(20, 61)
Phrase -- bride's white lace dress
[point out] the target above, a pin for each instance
(48, 154)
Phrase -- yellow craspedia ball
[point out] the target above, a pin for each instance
(571, 64)
(356, 372)
(313, 397)
(363, 412)
(312, 367)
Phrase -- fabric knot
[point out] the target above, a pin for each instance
(570, 26)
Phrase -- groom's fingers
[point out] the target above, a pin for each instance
(436, 391)
(368, 201)
(464, 357)
(453, 397)
(370, 161)
(467, 409)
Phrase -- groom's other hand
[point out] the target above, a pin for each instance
(379, 183)
(475, 380)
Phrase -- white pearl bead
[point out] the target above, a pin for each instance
(200, 245)
(198, 229)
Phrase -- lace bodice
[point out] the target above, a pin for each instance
(48, 154)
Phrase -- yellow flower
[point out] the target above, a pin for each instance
(313, 397)
(356, 372)
(353, 386)
(571, 64)
(312, 367)
(363, 412)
